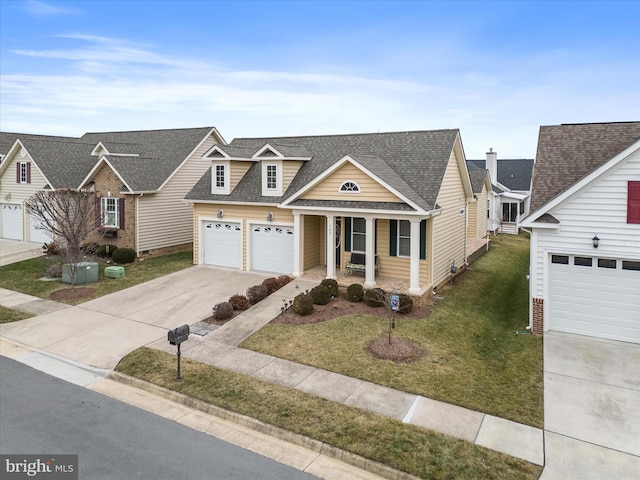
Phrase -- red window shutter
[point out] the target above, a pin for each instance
(98, 205)
(18, 172)
(633, 202)
(28, 172)
(121, 212)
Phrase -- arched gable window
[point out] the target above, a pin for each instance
(349, 187)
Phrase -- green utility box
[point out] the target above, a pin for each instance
(86, 272)
(114, 272)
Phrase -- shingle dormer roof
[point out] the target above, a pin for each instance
(567, 153)
(477, 177)
(515, 174)
(419, 159)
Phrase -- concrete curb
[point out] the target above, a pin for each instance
(317, 446)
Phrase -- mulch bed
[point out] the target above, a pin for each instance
(400, 350)
(71, 293)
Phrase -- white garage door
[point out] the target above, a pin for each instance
(593, 296)
(222, 244)
(36, 234)
(12, 221)
(272, 248)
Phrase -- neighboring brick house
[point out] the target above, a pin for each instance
(585, 223)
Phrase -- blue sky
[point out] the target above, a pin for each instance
(495, 70)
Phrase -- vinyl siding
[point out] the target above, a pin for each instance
(477, 227)
(312, 235)
(370, 190)
(164, 219)
(398, 267)
(599, 209)
(238, 170)
(449, 227)
(290, 169)
(235, 213)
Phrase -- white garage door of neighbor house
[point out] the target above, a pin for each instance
(36, 234)
(222, 244)
(599, 297)
(272, 248)
(12, 221)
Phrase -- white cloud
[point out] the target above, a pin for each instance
(38, 8)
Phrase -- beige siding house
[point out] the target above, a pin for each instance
(395, 201)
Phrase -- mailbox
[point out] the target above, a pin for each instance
(178, 335)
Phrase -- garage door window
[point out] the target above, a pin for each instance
(560, 259)
(629, 265)
(583, 261)
(606, 263)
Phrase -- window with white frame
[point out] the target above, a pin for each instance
(349, 187)
(272, 177)
(358, 235)
(23, 168)
(220, 176)
(404, 238)
(509, 212)
(110, 212)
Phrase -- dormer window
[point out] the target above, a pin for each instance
(272, 178)
(220, 177)
(349, 187)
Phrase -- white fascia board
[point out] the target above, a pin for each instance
(266, 146)
(462, 164)
(96, 149)
(317, 180)
(515, 196)
(359, 212)
(13, 151)
(227, 202)
(104, 160)
(567, 194)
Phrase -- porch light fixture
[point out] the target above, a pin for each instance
(220, 213)
(596, 241)
(269, 216)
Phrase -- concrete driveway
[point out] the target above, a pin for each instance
(12, 251)
(100, 332)
(592, 408)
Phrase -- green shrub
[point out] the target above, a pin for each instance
(320, 294)
(223, 311)
(239, 302)
(257, 293)
(283, 280)
(106, 251)
(124, 255)
(355, 292)
(406, 303)
(374, 297)
(271, 284)
(303, 305)
(332, 285)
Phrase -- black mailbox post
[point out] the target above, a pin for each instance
(176, 337)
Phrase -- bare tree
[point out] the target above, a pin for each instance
(390, 299)
(69, 216)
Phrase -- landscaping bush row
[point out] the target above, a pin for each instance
(254, 294)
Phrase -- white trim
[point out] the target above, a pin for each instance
(226, 188)
(330, 246)
(95, 169)
(278, 154)
(414, 265)
(251, 223)
(586, 181)
(13, 151)
(370, 279)
(358, 191)
(272, 192)
(205, 218)
(225, 155)
(297, 245)
(357, 212)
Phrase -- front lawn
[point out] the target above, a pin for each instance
(23, 276)
(472, 355)
(8, 315)
(420, 452)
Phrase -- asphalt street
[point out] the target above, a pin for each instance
(44, 415)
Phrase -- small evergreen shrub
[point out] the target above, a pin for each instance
(124, 255)
(271, 284)
(332, 285)
(283, 280)
(223, 311)
(257, 293)
(355, 292)
(320, 294)
(106, 251)
(239, 302)
(406, 303)
(303, 305)
(374, 297)
(54, 271)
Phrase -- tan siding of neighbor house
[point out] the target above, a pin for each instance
(106, 181)
(289, 171)
(235, 213)
(481, 214)
(238, 170)
(164, 219)
(370, 190)
(311, 240)
(449, 227)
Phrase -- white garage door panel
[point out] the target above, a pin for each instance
(12, 221)
(272, 248)
(222, 244)
(595, 301)
(36, 234)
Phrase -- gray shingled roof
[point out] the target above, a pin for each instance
(416, 160)
(477, 177)
(7, 139)
(351, 204)
(513, 173)
(568, 153)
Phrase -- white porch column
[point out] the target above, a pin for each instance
(414, 266)
(369, 278)
(331, 247)
(297, 245)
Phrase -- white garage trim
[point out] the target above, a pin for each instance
(594, 296)
(12, 221)
(270, 247)
(221, 242)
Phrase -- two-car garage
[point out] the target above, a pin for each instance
(595, 296)
(13, 225)
(270, 246)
